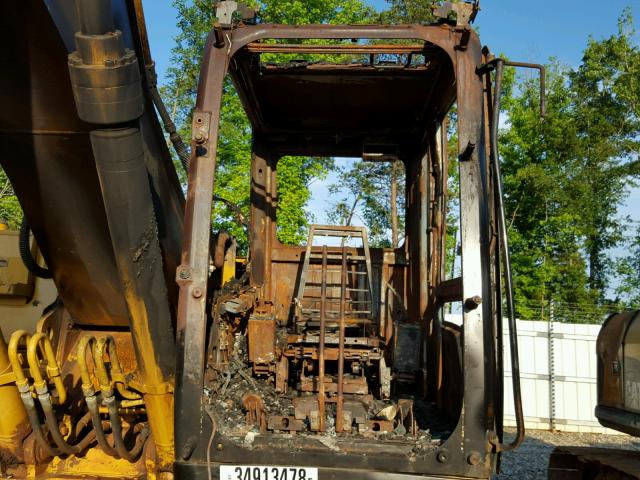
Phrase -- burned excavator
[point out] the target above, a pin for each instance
(166, 356)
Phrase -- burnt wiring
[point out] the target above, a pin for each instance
(232, 366)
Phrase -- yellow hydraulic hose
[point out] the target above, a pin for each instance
(53, 370)
(25, 391)
(108, 345)
(90, 394)
(104, 380)
(13, 421)
(16, 365)
(82, 361)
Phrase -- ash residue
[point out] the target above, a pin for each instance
(229, 383)
(231, 412)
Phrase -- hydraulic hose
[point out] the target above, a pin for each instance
(109, 400)
(34, 420)
(39, 341)
(176, 140)
(118, 438)
(152, 81)
(115, 376)
(25, 392)
(90, 395)
(184, 155)
(25, 252)
(54, 429)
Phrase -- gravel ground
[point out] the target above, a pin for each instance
(531, 459)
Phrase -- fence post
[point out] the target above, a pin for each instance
(552, 376)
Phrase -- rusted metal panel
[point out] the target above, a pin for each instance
(338, 49)
(475, 228)
(193, 273)
(262, 338)
(285, 424)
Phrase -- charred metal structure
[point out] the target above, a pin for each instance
(160, 358)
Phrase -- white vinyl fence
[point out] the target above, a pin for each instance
(558, 372)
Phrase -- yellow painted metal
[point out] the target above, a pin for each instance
(13, 420)
(161, 407)
(229, 267)
(40, 341)
(8, 377)
(156, 389)
(17, 285)
(95, 464)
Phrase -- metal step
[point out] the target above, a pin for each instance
(322, 293)
(333, 256)
(337, 312)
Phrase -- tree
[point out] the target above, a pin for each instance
(409, 11)
(232, 176)
(565, 176)
(10, 210)
(628, 273)
(373, 190)
(607, 97)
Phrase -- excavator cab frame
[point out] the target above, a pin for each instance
(287, 108)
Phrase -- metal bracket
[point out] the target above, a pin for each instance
(9, 377)
(465, 12)
(159, 389)
(200, 127)
(226, 9)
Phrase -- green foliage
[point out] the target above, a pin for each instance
(292, 12)
(409, 11)
(606, 94)
(10, 209)
(628, 273)
(453, 196)
(367, 192)
(295, 174)
(567, 175)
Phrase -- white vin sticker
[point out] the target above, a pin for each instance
(243, 472)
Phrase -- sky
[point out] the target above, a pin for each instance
(523, 30)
